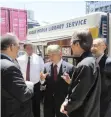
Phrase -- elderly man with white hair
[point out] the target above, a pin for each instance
(56, 81)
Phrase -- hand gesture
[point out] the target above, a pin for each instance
(43, 76)
(66, 77)
(62, 109)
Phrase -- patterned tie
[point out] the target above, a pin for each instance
(28, 70)
(55, 72)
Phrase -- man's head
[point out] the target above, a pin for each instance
(98, 47)
(28, 47)
(81, 42)
(54, 53)
(10, 45)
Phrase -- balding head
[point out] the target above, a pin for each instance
(99, 41)
(9, 45)
(7, 40)
(99, 46)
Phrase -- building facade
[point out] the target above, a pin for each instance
(98, 6)
(30, 20)
(30, 14)
(32, 23)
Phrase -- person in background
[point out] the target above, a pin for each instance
(56, 84)
(107, 74)
(98, 50)
(83, 98)
(15, 93)
(31, 65)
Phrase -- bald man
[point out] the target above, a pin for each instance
(98, 50)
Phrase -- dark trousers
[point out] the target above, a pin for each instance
(36, 100)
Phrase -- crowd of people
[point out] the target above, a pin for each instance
(32, 88)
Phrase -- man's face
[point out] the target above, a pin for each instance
(29, 50)
(55, 57)
(98, 48)
(75, 48)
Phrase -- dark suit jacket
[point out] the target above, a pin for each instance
(102, 64)
(107, 81)
(103, 103)
(84, 92)
(56, 91)
(15, 95)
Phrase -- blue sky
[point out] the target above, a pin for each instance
(50, 11)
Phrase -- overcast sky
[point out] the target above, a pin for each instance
(49, 11)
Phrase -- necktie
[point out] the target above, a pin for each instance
(28, 70)
(55, 72)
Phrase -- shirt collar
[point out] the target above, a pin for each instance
(59, 63)
(7, 56)
(99, 58)
(29, 56)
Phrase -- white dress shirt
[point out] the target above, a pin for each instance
(36, 66)
(99, 58)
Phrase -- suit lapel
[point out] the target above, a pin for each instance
(50, 70)
(102, 61)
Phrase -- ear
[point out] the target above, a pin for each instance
(11, 48)
(77, 44)
(105, 46)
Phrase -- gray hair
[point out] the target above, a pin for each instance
(84, 38)
(7, 40)
(53, 49)
(100, 40)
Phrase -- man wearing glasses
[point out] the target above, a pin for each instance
(15, 93)
(56, 84)
(83, 98)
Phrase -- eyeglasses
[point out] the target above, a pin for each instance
(74, 42)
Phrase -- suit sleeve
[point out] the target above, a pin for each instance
(107, 69)
(14, 84)
(84, 76)
(71, 71)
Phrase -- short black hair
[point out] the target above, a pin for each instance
(27, 43)
(7, 40)
(84, 38)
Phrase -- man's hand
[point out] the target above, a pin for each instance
(43, 76)
(62, 110)
(66, 77)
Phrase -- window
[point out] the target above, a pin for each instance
(100, 8)
(96, 9)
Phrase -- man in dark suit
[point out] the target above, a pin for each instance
(56, 86)
(15, 93)
(83, 99)
(98, 50)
